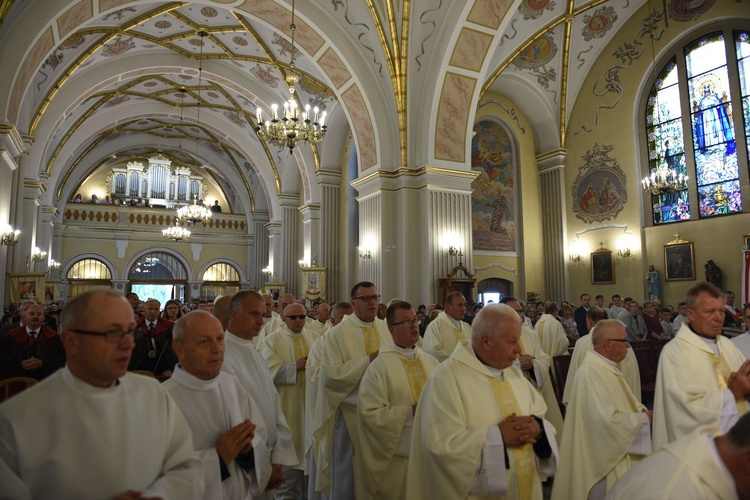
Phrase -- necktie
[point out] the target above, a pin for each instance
(151, 327)
(34, 334)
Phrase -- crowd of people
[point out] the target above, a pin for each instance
(246, 397)
(113, 199)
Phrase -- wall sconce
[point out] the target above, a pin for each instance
(37, 255)
(266, 270)
(623, 252)
(54, 265)
(9, 236)
(365, 254)
(303, 264)
(455, 251)
(575, 251)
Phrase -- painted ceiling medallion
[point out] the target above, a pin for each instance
(209, 12)
(597, 24)
(241, 42)
(533, 9)
(118, 47)
(285, 46)
(162, 25)
(264, 75)
(599, 188)
(538, 54)
(688, 10)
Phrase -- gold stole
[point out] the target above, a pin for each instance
(522, 456)
(372, 340)
(416, 375)
(301, 351)
(722, 371)
(459, 334)
(541, 328)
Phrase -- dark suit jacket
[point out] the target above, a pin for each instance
(580, 316)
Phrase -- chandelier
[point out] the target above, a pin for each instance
(193, 214)
(176, 233)
(295, 124)
(664, 180)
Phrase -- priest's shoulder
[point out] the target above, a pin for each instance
(36, 395)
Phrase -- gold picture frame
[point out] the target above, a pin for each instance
(679, 260)
(602, 267)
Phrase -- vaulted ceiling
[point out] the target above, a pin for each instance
(132, 78)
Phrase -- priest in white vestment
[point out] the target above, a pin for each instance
(277, 319)
(229, 434)
(349, 350)
(92, 430)
(551, 332)
(447, 329)
(698, 466)
(479, 430)
(616, 308)
(702, 379)
(321, 323)
(388, 396)
(285, 351)
(312, 375)
(534, 363)
(242, 360)
(628, 366)
(607, 431)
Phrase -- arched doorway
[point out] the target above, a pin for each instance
(87, 274)
(494, 289)
(158, 275)
(221, 278)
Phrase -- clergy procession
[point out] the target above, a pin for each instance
(249, 398)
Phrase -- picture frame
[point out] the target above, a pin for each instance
(602, 267)
(679, 261)
(746, 241)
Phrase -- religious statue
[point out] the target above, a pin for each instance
(713, 274)
(653, 284)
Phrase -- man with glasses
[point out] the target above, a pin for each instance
(388, 396)
(345, 355)
(448, 328)
(702, 379)
(91, 430)
(602, 409)
(242, 360)
(742, 342)
(285, 352)
(276, 321)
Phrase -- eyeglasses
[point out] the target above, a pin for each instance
(296, 316)
(408, 321)
(368, 298)
(112, 336)
(624, 341)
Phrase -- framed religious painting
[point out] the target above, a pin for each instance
(602, 267)
(26, 286)
(679, 260)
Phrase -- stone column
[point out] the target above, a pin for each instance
(273, 230)
(552, 177)
(11, 146)
(260, 246)
(28, 218)
(329, 251)
(310, 216)
(45, 234)
(290, 252)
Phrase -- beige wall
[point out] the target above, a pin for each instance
(719, 238)
(528, 265)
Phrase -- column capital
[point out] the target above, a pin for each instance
(328, 177)
(287, 200)
(261, 216)
(551, 160)
(310, 211)
(426, 176)
(12, 145)
(273, 228)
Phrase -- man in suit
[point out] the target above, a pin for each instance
(32, 349)
(153, 342)
(580, 314)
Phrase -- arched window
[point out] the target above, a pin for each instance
(87, 274)
(698, 124)
(159, 275)
(220, 279)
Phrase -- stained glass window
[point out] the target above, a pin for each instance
(715, 148)
(703, 87)
(665, 143)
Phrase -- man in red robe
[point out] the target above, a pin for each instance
(153, 342)
(31, 350)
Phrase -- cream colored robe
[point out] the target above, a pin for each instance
(603, 423)
(385, 423)
(628, 368)
(343, 361)
(530, 343)
(278, 351)
(441, 336)
(552, 335)
(456, 412)
(742, 342)
(685, 469)
(688, 392)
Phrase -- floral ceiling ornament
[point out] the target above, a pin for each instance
(597, 24)
(599, 188)
(533, 9)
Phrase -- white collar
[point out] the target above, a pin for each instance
(359, 322)
(409, 353)
(192, 382)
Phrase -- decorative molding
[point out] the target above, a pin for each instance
(624, 227)
(511, 270)
(511, 112)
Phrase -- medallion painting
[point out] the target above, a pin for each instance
(493, 201)
(599, 188)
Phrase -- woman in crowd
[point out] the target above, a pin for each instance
(569, 323)
(172, 310)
